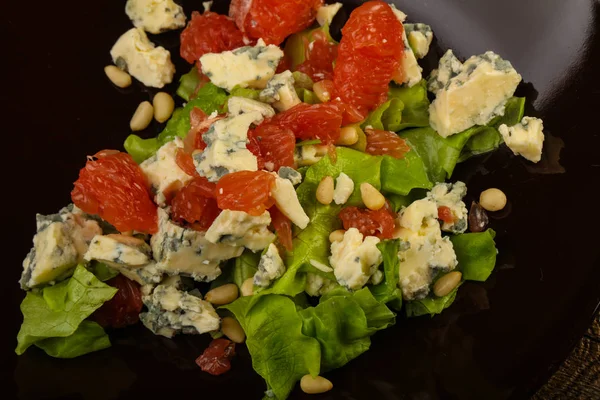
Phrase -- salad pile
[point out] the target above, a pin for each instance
(298, 201)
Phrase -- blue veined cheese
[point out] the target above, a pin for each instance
(287, 202)
(355, 260)
(59, 245)
(309, 154)
(411, 72)
(137, 54)
(245, 67)
(119, 250)
(155, 16)
(475, 96)
(270, 267)
(327, 12)
(129, 255)
(424, 253)
(344, 186)
(449, 67)
(171, 310)
(226, 150)
(178, 250)
(52, 258)
(290, 174)
(420, 37)
(526, 138)
(240, 105)
(280, 92)
(239, 229)
(163, 173)
(317, 285)
(451, 195)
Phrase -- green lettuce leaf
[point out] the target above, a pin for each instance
(430, 305)
(102, 271)
(313, 242)
(188, 84)
(415, 113)
(238, 270)
(400, 176)
(388, 291)
(57, 311)
(385, 117)
(141, 149)
(88, 337)
(295, 45)
(476, 254)
(280, 352)
(307, 96)
(209, 99)
(513, 113)
(342, 322)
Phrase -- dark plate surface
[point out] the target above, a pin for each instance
(499, 340)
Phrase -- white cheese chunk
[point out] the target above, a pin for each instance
(240, 105)
(237, 228)
(450, 195)
(327, 12)
(423, 252)
(163, 173)
(207, 5)
(59, 245)
(117, 250)
(316, 285)
(280, 92)
(290, 174)
(344, 186)
(354, 261)
(137, 54)
(179, 250)
(526, 138)
(309, 154)
(474, 96)
(245, 67)
(155, 16)
(172, 311)
(410, 72)
(287, 202)
(52, 258)
(449, 67)
(420, 37)
(226, 150)
(270, 267)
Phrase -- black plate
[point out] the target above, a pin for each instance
(499, 340)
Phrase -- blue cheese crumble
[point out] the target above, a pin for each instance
(420, 37)
(355, 260)
(172, 310)
(280, 92)
(451, 195)
(270, 267)
(155, 16)
(245, 67)
(526, 138)
(239, 229)
(474, 96)
(424, 253)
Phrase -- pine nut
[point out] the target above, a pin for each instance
(315, 385)
(321, 91)
(372, 198)
(118, 77)
(233, 330)
(223, 294)
(325, 190)
(348, 136)
(142, 116)
(492, 199)
(247, 288)
(163, 106)
(447, 283)
(337, 236)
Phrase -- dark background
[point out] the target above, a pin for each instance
(500, 339)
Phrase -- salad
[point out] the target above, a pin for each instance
(297, 202)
